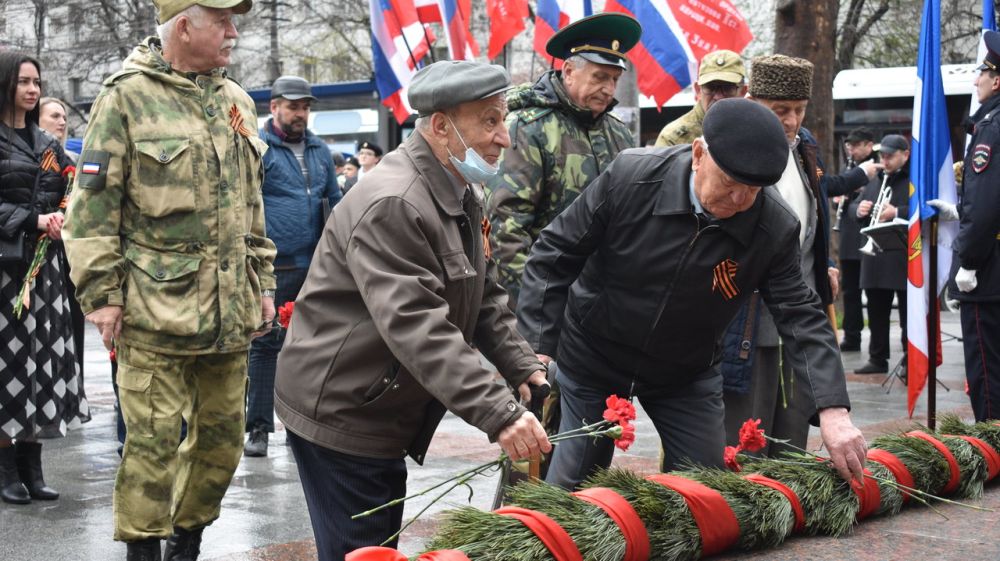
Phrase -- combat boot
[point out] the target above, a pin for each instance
(11, 489)
(143, 550)
(29, 467)
(184, 545)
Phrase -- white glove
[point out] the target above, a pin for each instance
(966, 280)
(946, 210)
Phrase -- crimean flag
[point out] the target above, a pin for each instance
(932, 178)
(399, 42)
(553, 15)
(675, 35)
(506, 21)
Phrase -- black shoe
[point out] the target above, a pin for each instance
(256, 446)
(848, 347)
(143, 550)
(872, 368)
(29, 468)
(184, 545)
(11, 489)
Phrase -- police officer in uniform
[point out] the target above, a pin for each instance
(720, 76)
(976, 271)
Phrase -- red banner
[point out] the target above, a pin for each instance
(710, 25)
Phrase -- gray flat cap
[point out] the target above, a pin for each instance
(291, 88)
(448, 83)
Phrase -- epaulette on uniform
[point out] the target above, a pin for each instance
(532, 114)
(119, 76)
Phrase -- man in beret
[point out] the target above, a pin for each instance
(299, 175)
(369, 155)
(400, 294)
(976, 269)
(752, 360)
(166, 239)
(634, 284)
(563, 135)
(720, 76)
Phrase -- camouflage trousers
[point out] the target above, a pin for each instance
(161, 481)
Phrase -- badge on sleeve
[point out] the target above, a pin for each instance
(981, 157)
(93, 172)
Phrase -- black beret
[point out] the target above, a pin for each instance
(370, 146)
(353, 161)
(746, 141)
(449, 83)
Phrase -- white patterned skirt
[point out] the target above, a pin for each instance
(41, 389)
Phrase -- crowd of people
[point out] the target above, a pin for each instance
(517, 223)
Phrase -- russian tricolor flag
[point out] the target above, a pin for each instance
(399, 42)
(553, 15)
(455, 20)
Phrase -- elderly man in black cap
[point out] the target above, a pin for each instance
(563, 135)
(634, 284)
(299, 174)
(976, 269)
(402, 289)
(758, 377)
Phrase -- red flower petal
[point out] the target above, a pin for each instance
(285, 314)
(627, 437)
(730, 456)
(751, 436)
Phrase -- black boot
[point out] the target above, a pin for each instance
(11, 489)
(144, 550)
(184, 545)
(29, 467)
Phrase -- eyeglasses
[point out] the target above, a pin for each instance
(725, 90)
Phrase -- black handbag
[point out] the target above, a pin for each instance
(14, 250)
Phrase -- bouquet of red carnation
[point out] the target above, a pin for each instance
(285, 314)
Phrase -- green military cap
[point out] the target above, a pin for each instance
(721, 66)
(601, 38)
(449, 83)
(170, 8)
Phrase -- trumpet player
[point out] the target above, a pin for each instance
(883, 275)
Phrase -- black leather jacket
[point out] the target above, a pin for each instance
(629, 284)
(19, 166)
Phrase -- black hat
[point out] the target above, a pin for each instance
(338, 158)
(601, 38)
(746, 141)
(371, 146)
(353, 161)
(291, 88)
(860, 134)
(992, 59)
(892, 143)
(449, 83)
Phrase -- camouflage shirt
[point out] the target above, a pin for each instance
(557, 149)
(684, 129)
(166, 218)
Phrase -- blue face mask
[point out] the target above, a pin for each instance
(474, 169)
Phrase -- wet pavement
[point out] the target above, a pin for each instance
(264, 517)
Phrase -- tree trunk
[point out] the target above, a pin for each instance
(808, 29)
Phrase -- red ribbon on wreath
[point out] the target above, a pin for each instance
(548, 531)
(712, 514)
(800, 516)
(956, 474)
(895, 466)
(989, 454)
(869, 496)
(625, 516)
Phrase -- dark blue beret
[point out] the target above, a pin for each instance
(746, 141)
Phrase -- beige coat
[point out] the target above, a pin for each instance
(381, 339)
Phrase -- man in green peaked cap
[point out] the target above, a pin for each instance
(563, 135)
(721, 75)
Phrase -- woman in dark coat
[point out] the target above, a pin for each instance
(41, 390)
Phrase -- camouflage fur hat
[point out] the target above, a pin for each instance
(780, 77)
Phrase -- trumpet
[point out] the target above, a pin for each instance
(884, 194)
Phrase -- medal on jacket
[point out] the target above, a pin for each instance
(723, 279)
(49, 162)
(236, 121)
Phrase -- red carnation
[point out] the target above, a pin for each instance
(619, 410)
(627, 437)
(730, 456)
(285, 314)
(751, 436)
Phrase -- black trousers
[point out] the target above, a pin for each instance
(854, 318)
(338, 486)
(879, 310)
(981, 340)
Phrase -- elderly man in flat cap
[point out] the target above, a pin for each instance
(634, 284)
(720, 76)
(401, 289)
(756, 379)
(563, 135)
(165, 236)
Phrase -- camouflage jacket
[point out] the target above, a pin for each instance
(166, 218)
(684, 129)
(557, 149)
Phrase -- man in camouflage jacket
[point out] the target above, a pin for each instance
(563, 135)
(165, 237)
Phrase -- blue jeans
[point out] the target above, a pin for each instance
(338, 486)
(264, 356)
(687, 418)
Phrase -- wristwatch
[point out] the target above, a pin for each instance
(267, 293)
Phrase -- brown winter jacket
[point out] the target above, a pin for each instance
(399, 289)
